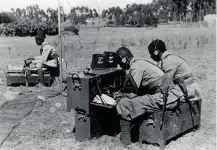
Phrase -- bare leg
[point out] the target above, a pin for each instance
(41, 75)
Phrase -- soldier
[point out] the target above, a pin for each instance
(168, 61)
(148, 81)
(48, 57)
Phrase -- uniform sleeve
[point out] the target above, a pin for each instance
(137, 74)
(169, 67)
(46, 51)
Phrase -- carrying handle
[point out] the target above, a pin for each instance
(76, 85)
(151, 121)
(82, 113)
(165, 92)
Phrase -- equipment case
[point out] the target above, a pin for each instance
(92, 119)
(16, 76)
(175, 124)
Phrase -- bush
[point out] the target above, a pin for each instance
(6, 17)
(151, 21)
(110, 25)
(27, 29)
(72, 29)
(110, 22)
(128, 25)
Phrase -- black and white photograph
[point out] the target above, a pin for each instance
(108, 75)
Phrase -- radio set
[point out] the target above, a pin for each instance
(105, 60)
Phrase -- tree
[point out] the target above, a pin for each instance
(104, 13)
(79, 15)
(18, 12)
(95, 13)
(6, 17)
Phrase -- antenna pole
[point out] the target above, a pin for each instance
(60, 46)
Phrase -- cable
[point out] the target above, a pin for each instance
(100, 93)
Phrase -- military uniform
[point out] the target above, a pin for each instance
(146, 74)
(48, 56)
(169, 61)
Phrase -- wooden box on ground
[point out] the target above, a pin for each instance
(17, 77)
(174, 124)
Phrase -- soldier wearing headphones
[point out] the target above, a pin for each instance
(149, 82)
(168, 61)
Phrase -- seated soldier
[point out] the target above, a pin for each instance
(150, 81)
(168, 61)
(48, 57)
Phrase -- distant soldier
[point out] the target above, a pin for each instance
(168, 61)
(149, 81)
(114, 19)
(48, 57)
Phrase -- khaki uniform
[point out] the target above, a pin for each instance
(47, 57)
(144, 73)
(169, 61)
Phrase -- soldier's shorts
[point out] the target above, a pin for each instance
(131, 108)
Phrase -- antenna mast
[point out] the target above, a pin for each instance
(60, 45)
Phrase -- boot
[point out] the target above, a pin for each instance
(136, 123)
(135, 132)
(125, 135)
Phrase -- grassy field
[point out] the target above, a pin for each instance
(196, 45)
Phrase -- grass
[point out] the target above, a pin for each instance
(196, 45)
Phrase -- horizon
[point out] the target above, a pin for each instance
(6, 5)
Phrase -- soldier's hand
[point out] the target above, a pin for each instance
(131, 95)
(115, 95)
(118, 95)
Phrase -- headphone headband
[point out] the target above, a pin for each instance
(155, 46)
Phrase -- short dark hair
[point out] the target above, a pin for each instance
(157, 45)
(125, 52)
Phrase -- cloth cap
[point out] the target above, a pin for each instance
(41, 34)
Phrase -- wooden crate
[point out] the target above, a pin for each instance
(20, 79)
(174, 125)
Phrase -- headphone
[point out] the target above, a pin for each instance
(124, 60)
(156, 52)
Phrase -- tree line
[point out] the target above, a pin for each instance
(162, 10)
(26, 21)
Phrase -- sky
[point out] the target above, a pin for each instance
(6, 5)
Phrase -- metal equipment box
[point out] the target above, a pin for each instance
(92, 119)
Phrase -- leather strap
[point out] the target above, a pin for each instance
(130, 78)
